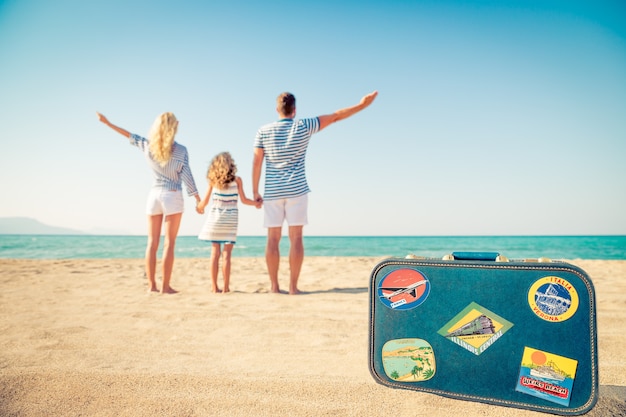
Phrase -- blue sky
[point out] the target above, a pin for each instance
(493, 118)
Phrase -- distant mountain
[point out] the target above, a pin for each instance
(28, 226)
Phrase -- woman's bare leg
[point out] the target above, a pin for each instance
(172, 224)
(154, 235)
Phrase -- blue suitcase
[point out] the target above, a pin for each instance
(480, 327)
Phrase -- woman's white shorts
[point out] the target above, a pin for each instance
(165, 202)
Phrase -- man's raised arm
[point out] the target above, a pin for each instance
(347, 112)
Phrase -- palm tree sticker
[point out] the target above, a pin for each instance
(408, 360)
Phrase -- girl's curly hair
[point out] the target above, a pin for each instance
(222, 170)
(162, 137)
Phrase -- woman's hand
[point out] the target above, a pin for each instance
(102, 118)
(112, 126)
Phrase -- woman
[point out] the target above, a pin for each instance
(169, 163)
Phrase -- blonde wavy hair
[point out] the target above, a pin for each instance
(162, 136)
(222, 170)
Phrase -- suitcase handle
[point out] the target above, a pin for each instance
(476, 256)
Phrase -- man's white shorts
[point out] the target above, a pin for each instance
(294, 210)
(164, 202)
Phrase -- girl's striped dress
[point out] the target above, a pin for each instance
(221, 223)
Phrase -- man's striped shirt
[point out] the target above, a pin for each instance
(284, 143)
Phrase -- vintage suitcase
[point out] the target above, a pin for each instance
(480, 327)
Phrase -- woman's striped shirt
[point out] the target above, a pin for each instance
(174, 173)
(285, 143)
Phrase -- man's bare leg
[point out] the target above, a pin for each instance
(296, 257)
(272, 256)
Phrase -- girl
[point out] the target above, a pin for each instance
(221, 224)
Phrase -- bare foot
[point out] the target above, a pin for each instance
(226, 289)
(216, 290)
(153, 289)
(295, 292)
(275, 290)
(168, 290)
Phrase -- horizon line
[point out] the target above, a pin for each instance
(329, 236)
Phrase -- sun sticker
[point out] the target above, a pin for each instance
(538, 357)
(553, 299)
(403, 289)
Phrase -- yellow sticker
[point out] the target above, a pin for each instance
(547, 375)
(553, 299)
(475, 328)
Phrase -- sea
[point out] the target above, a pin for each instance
(132, 247)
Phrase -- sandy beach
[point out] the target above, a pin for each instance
(83, 337)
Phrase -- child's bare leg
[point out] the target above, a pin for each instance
(215, 262)
(228, 248)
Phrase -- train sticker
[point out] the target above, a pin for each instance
(403, 289)
(546, 375)
(475, 328)
(553, 299)
(408, 360)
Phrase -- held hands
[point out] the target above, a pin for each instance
(258, 200)
(200, 207)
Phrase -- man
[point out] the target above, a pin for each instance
(283, 144)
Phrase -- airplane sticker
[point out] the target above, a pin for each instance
(403, 289)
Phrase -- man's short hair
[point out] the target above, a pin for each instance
(286, 103)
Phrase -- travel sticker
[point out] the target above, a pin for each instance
(546, 375)
(475, 328)
(408, 360)
(403, 289)
(553, 299)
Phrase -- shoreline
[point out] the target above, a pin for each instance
(133, 247)
(84, 337)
